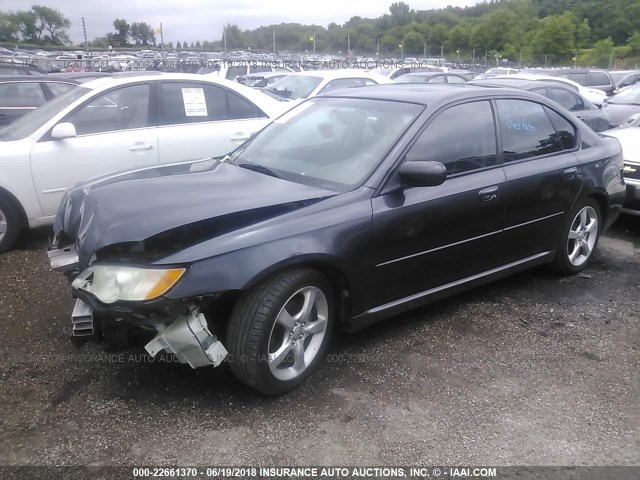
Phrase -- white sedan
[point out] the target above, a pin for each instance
(114, 124)
(629, 138)
(301, 85)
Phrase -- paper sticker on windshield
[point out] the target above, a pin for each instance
(195, 104)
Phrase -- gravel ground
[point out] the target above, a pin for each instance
(532, 370)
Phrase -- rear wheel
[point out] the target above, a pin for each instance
(579, 237)
(279, 331)
(9, 224)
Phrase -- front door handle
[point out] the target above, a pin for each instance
(488, 194)
(570, 173)
(135, 148)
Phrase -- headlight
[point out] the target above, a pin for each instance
(110, 283)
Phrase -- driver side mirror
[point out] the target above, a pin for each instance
(63, 130)
(422, 173)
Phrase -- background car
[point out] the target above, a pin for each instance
(623, 105)
(595, 96)
(494, 72)
(119, 123)
(588, 77)
(558, 92)
(301, 85)
(12, 67)
(21, 94)
(625, 78)
(260, 80)
(629, 138)
(430, 77)
(330, 217)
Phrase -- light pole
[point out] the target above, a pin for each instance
(401, 47)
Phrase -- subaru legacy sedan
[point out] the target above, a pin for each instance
(352, 207)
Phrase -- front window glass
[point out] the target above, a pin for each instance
(462, 138)
(295, 86)
(120, 109)
(331, 143)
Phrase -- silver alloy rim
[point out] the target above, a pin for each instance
(3, 225)
(583, 234)
(298, 333)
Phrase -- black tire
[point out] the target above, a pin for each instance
(562, 262)
(9, 214)
(252, 325)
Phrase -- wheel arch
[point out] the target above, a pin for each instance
(24, 219)
(327, 265)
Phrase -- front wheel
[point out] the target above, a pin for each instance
(579, 237)
(279, 331)
(9, 224)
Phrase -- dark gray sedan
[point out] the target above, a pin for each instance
(559, 92)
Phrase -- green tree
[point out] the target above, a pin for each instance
(602, 52)
(634, 42)
(123, 31)
(179, 46)
(555, 36)
(51, 24)
(583, 34)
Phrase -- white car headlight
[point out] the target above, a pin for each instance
(110, 283)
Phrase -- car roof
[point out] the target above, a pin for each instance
(423, 74)
(341, 73)
(34, 78)
(426, 94)
(521, 83)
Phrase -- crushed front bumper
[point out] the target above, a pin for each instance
(185, 336)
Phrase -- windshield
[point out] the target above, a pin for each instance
(330, 143)
(32, 121)
(295, 86)
(630, 96)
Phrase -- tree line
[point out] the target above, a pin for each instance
(515, 29)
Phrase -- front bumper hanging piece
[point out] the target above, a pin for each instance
(189, 339)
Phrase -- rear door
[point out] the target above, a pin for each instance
(543, 179)
(116, 132)
(201, 120)
(426, 237)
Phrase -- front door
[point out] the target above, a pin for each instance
(114, 133)
(426, 237)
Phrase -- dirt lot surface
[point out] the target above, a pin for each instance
(535, 369)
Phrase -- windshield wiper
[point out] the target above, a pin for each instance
(259, 168)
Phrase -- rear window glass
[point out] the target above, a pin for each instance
(526, 130)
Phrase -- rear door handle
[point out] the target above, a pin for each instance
(488, 194)
(570, 173)
(135, 148)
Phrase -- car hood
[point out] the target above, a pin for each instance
(629, 138)
(154, 212)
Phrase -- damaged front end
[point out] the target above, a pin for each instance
(183, 332)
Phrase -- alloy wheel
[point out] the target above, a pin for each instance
(583, 235)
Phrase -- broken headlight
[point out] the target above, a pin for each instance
(110, 283)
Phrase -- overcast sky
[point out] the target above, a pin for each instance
(193, 20)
